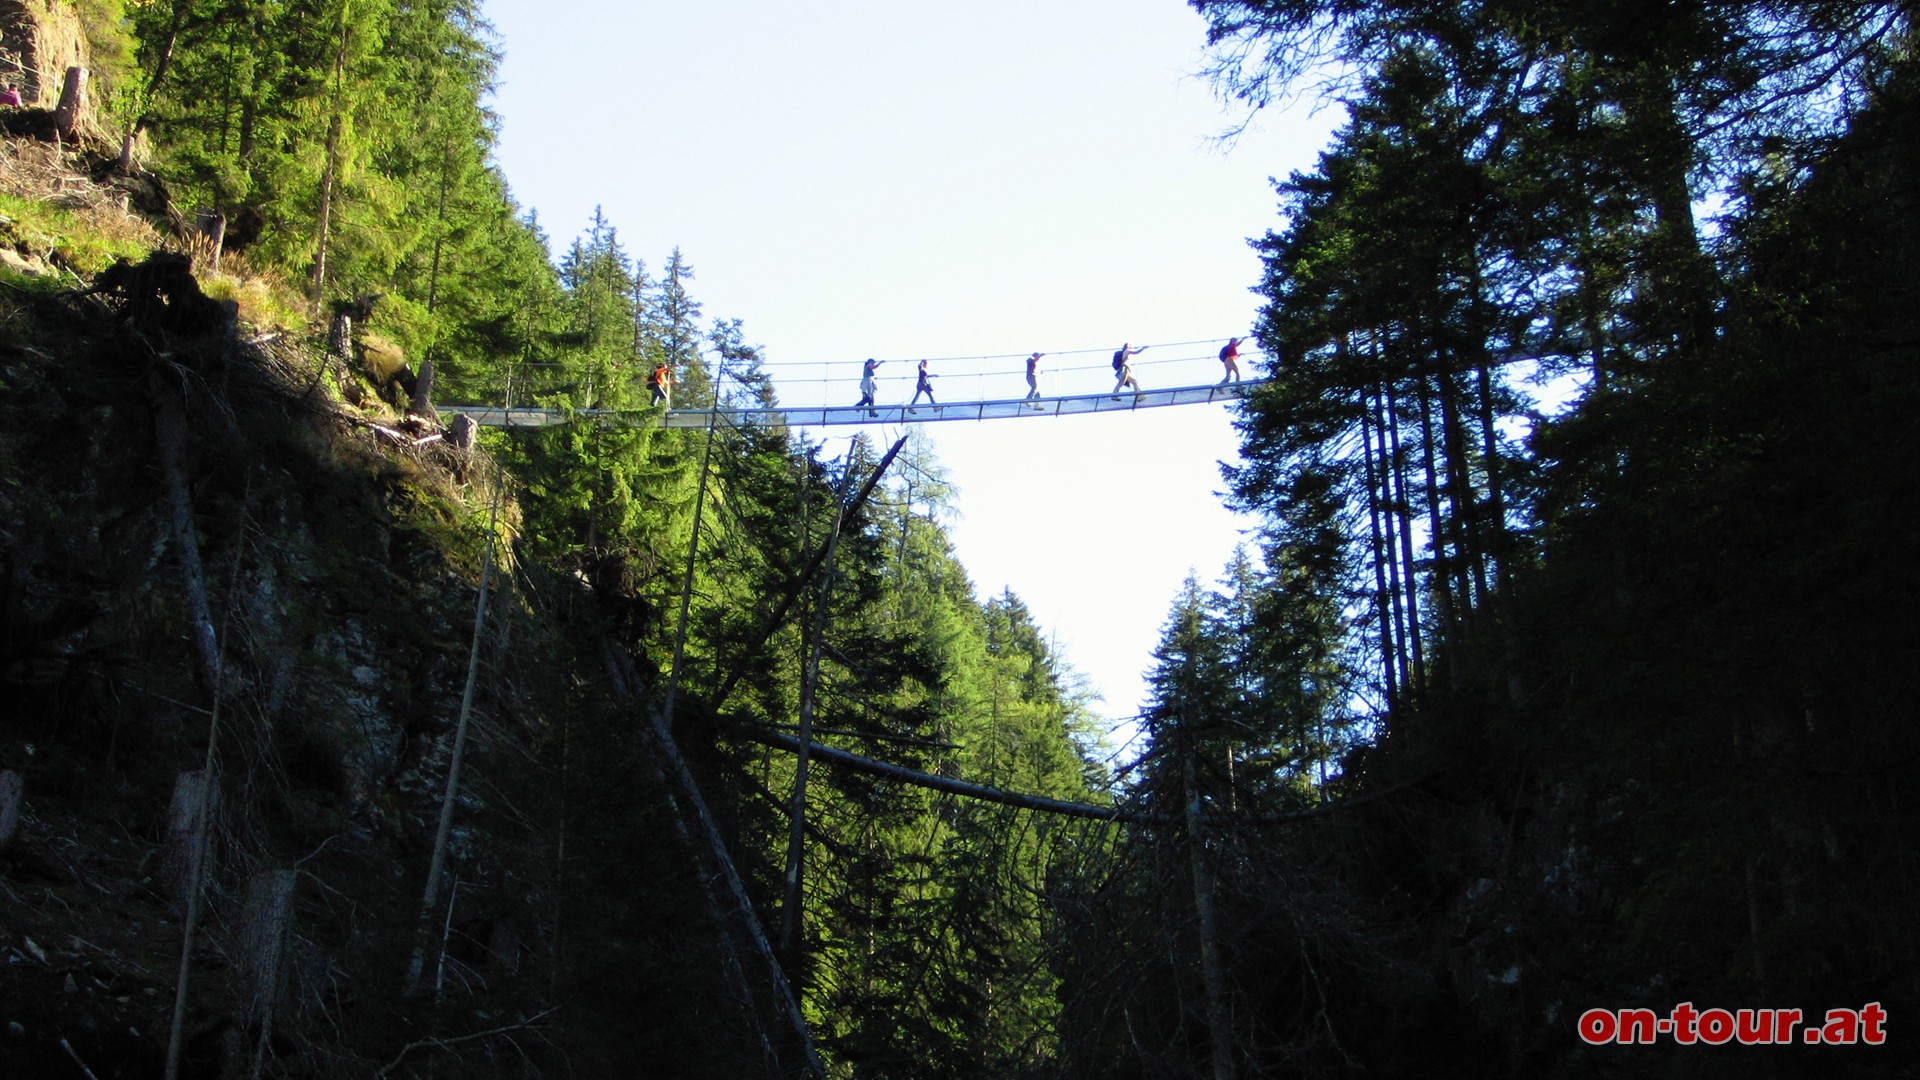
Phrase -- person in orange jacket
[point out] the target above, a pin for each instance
(662, 382)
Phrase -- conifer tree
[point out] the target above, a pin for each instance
(676, 327)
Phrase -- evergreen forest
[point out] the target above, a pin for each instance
(1561, 679)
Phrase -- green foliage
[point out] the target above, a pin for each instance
(348, 144)
(87, 241)
(1622, 693)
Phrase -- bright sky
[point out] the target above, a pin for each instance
(857, 178)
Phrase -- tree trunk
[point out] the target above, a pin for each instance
(1682, 270)
(1212, 971)
(170, 428)
(189, 827)
(443, 835)
(793, 590)
(1493, 543)
(13, 790)
(791, 928)
(669, 763)
(422, 403)
(163, 60)
(1379, 552)
(1403, 503)
(213, 226)
(503, 949)
(440, 228)
(330, 170)
(73, 102)
(249, 121)
(182, 866)
(340, 338)
(1390, 555)
(1467, 545)
(1442, 576)
(266, 926)
(325, 225)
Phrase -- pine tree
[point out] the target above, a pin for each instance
(676, 327)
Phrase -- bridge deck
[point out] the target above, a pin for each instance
(818, 416)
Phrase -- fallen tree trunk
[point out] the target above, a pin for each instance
(946, 783)
(1040, 802)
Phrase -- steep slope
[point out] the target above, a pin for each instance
(206, 559)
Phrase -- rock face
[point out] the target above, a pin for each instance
(339, 580)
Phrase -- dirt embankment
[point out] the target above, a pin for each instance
(39, 41)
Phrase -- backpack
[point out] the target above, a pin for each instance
(1119, 359)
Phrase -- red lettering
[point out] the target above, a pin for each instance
(1716, 1026)
(1638, 1026)
(1871, 1017)
(1683, 1021)
(1842, 1027)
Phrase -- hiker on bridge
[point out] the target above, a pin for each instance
(1123, 371)
(868, 387)
(923, 385)
(1033, 377)
(662, 382)
(1230, 356)
(11, 97)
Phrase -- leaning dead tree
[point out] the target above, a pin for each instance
(704, 832)
(794, 588)
(790, 921)
(443, 836)
(1045, 804)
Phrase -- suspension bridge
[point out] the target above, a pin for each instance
(975, 378)
(725, 887)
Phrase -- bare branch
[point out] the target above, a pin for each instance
(447, 1044)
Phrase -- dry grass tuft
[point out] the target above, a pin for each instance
(265, 300)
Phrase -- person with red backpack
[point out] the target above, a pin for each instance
(1230, 355)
